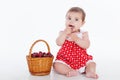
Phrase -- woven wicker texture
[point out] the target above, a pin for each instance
(39, 66)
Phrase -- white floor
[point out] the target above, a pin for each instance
(56, 76)
(106, 71)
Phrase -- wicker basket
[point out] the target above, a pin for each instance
(39, 66)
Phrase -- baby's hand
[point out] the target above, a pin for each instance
(74, 37)
(68, 31)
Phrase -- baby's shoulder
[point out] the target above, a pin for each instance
(84, 32)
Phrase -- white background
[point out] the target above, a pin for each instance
(24, 21)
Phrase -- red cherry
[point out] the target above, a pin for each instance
(34, 54)
(49, 54)
(43, 54)
(40, 53)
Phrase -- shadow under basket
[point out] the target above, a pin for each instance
(39, 66)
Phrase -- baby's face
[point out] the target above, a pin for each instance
(74, 20)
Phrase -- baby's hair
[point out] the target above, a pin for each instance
(78, 9)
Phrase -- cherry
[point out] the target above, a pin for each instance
(35, 54)
(49, 54)
(41, 54)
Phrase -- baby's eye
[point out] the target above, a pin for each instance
(76, 19)
(69, 18)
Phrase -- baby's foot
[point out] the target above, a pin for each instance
(92, 75)
(72, 73)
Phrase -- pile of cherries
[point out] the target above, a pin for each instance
(41, 54)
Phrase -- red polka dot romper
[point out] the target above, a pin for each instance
(73, 55)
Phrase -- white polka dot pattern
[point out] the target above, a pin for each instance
(72, 54)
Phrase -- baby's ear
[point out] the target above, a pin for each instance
(83, 22)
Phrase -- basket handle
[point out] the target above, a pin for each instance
(48, 47)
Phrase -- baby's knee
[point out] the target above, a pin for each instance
(55, 65)
(92, 63)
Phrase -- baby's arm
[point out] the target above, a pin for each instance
(84, 42)
(61, 38)
(63, 35)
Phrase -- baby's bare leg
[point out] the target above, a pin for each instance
(64, 69)
(61, 68)
(91, 70)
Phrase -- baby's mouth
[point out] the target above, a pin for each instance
(72, 26)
